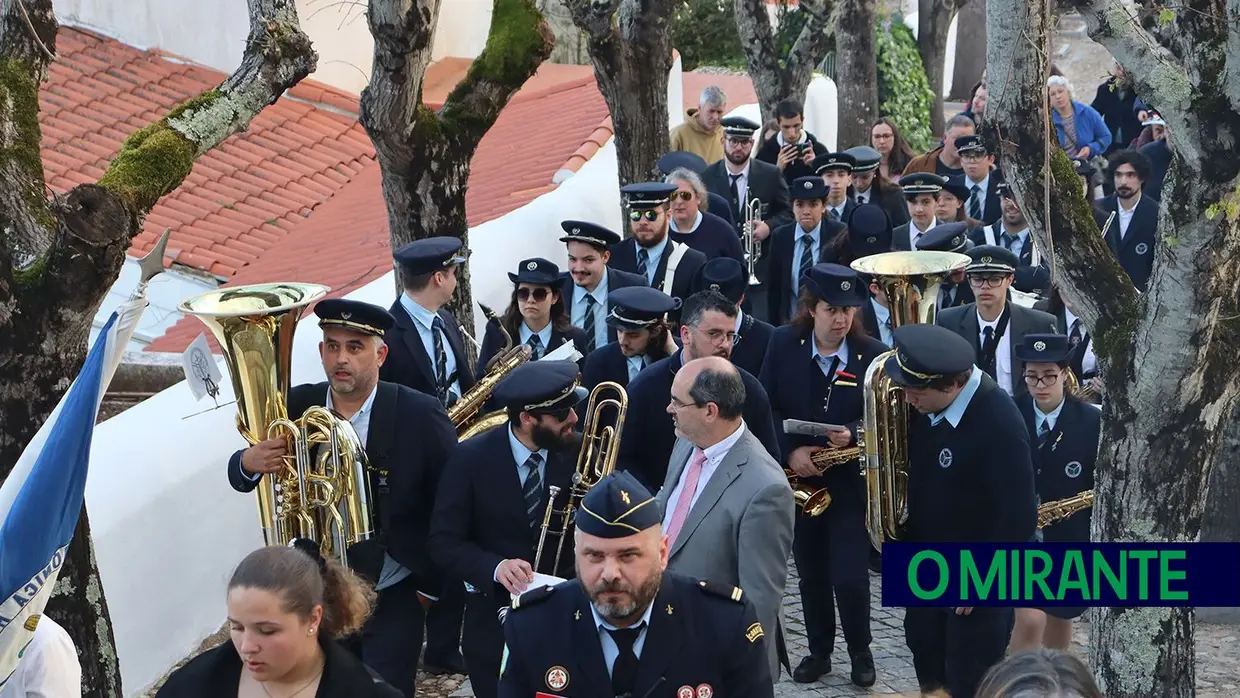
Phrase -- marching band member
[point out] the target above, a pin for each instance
(535, 315)
(731, 279)
(800, 245)
(666, 264)
(836, 172)
(492, 499)
(870, 187)
(695, 226)
(921, 191)
(1084, 362)
(587, 286)
(815, 370)
(405, 467)
(981, 180)
(1064, 434)
(627, 626)
(1012, 231)
(427, 352)
(950, 237)
(639, 320)
(970, 479)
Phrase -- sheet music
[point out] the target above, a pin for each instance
(539, 581)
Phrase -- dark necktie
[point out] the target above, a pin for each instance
(588, 324)
(834, 216)
(736, 197)
(1074, 336)
(988, 350)
(860, 199)
(1007, 240)
(624, 671)
(807, 260)
(536, 347)
(1044, 430)
(532, 491)
(975, 203)
(441, 360)
(643, 258)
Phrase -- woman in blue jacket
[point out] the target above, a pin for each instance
(1082, 132)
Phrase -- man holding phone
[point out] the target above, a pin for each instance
(793, 149)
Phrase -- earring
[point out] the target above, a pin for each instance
(311, 631)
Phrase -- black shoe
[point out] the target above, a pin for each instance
(811, 669)
(863, 669)
(449, 665)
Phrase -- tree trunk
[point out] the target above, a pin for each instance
(425, 156)
(1221, 522)
(934, 19)
(856, 72)
(970, 49)
(776, 77)
(1166, 418)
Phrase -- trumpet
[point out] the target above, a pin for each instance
(815, 501)
(753, 247)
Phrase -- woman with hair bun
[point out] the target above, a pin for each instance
(1039, 674)
(286, 608)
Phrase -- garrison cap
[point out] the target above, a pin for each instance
(681, 158)
(948, 237)
(833, 161)
(617, 506)
(1044, 348)
(869, 230)
(865, 158)
(644, 195)
(429, 255)
(970, 144)
(354, 315)
(541, 386)
(836, 284)
(992, 258)
(738, 127)
(921, 183)
(808, 188)
(957, 187)
(536, 271)
(589, 233)
(924, 353)
(725, 275)
(638, 307)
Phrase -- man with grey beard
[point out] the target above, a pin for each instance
(625, 626)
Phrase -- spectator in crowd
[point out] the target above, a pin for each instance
(701, 132)
(1159, 153)
(48, 667)
(976, 107)
(793, 148)
(945, 159)
(1039, 673)
(1153, 128)
(886, 138)
(1082, 132)
(1115, 100)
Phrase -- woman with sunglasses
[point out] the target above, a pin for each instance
(535, 315)
(694, 225)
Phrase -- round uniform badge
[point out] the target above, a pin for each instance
(845, 285)
(532, 266)
(1039, 346)
(1073, 469)
(685, 692)
(705, 691)
(945, 458)
(1142, 248)
(557, 678)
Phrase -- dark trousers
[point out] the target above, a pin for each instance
(391, 640)
(832, 556)
(443, 625)
(483, 643)
(955, 652)
(755, 302)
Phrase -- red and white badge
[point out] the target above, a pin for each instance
(705, 691)
(685, 692)
(557, 678)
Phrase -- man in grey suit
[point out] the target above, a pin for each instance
(728, 510)
(992, 324)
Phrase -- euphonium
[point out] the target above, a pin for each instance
(464, 412)
(600, 446)
(321, 494)
(1080, 389)
(911, 282)
(1051, 512)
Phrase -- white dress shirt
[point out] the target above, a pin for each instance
(1125, 214)
(915, 233)
(580, 307)
(1049, 417)
(742, 183)
(714, 456)
(422, 320)
(1003, 352)
(882, 316)
(48, 667)
(862, 197)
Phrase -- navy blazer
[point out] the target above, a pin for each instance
(408, 362)
(650, 435)
(713, 238)
(480, 518)
(1021, 321)
(1064, 463)
(720, 207)
(1136, 252)
(891, 199)
(411, 461)
(605, 364)
(783, 246)
(616, 279)
(750, 347)
(493, 342)
(766, 184)
(624, 258)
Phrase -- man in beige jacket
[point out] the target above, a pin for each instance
(701, 133)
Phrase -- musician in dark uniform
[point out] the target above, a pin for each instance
(626, 626)
(815, 371)
(731, 279)
(950, 237)
(639, 318)
(1033, 273)
(492, 498)
(535, 316)
(970, 480)
(981, 180)
(589, 282)
(404, 467)
(425, 345)
(796, 247)
(921, 191)
(869, 230)
(1064, 434)
(836, 171)
(709, 326)
(666, 264)
(869, 186)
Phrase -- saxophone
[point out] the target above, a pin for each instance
(1060, 509)
(813, 501)
(464, 412)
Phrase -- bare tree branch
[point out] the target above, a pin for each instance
(813, 42)
(593, 16)
(403, 31)
(775, 80)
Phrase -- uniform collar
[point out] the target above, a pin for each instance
(1050, 417)
(420, 315)
(841, 353)
(604, 625)
(955, 411)
(519, 452)
(364, 409)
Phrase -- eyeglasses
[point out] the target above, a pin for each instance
(992, 281)
(650, 214)
(683, 196)
(718, 336)
(540, 294)
(739, 142)
(1034, 379)
(678, 404)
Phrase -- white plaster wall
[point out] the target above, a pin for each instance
(822, 110)
(165, 292)
(949, 62)
(675, 93)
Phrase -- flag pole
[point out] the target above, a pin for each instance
(151, 265)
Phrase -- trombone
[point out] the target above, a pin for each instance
(753, 247)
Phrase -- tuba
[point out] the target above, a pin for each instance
(753, 248)
(600, 446)
(323, 490)
(464, 412)
(911, 282)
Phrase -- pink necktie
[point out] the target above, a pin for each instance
(686, 495)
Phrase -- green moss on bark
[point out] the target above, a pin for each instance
(19, 94)
(32, 275)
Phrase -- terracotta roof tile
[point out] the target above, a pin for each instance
(738, 88)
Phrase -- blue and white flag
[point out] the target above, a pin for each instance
(42, 498)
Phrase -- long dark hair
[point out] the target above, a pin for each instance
(656, 344)
(807, 301)
(901, 151)
(512, 318)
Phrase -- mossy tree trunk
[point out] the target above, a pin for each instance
(424, 155)
(777, 77)
(856, 71)
(1168, 355)
(630, 46)
(934, 19)
(59, 257)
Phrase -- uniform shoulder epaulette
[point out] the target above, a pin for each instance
(533, 596)
(726, 591)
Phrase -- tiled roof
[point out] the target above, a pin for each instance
(738, 88)
(243, 197)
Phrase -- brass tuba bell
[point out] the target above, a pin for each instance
(323, 490)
